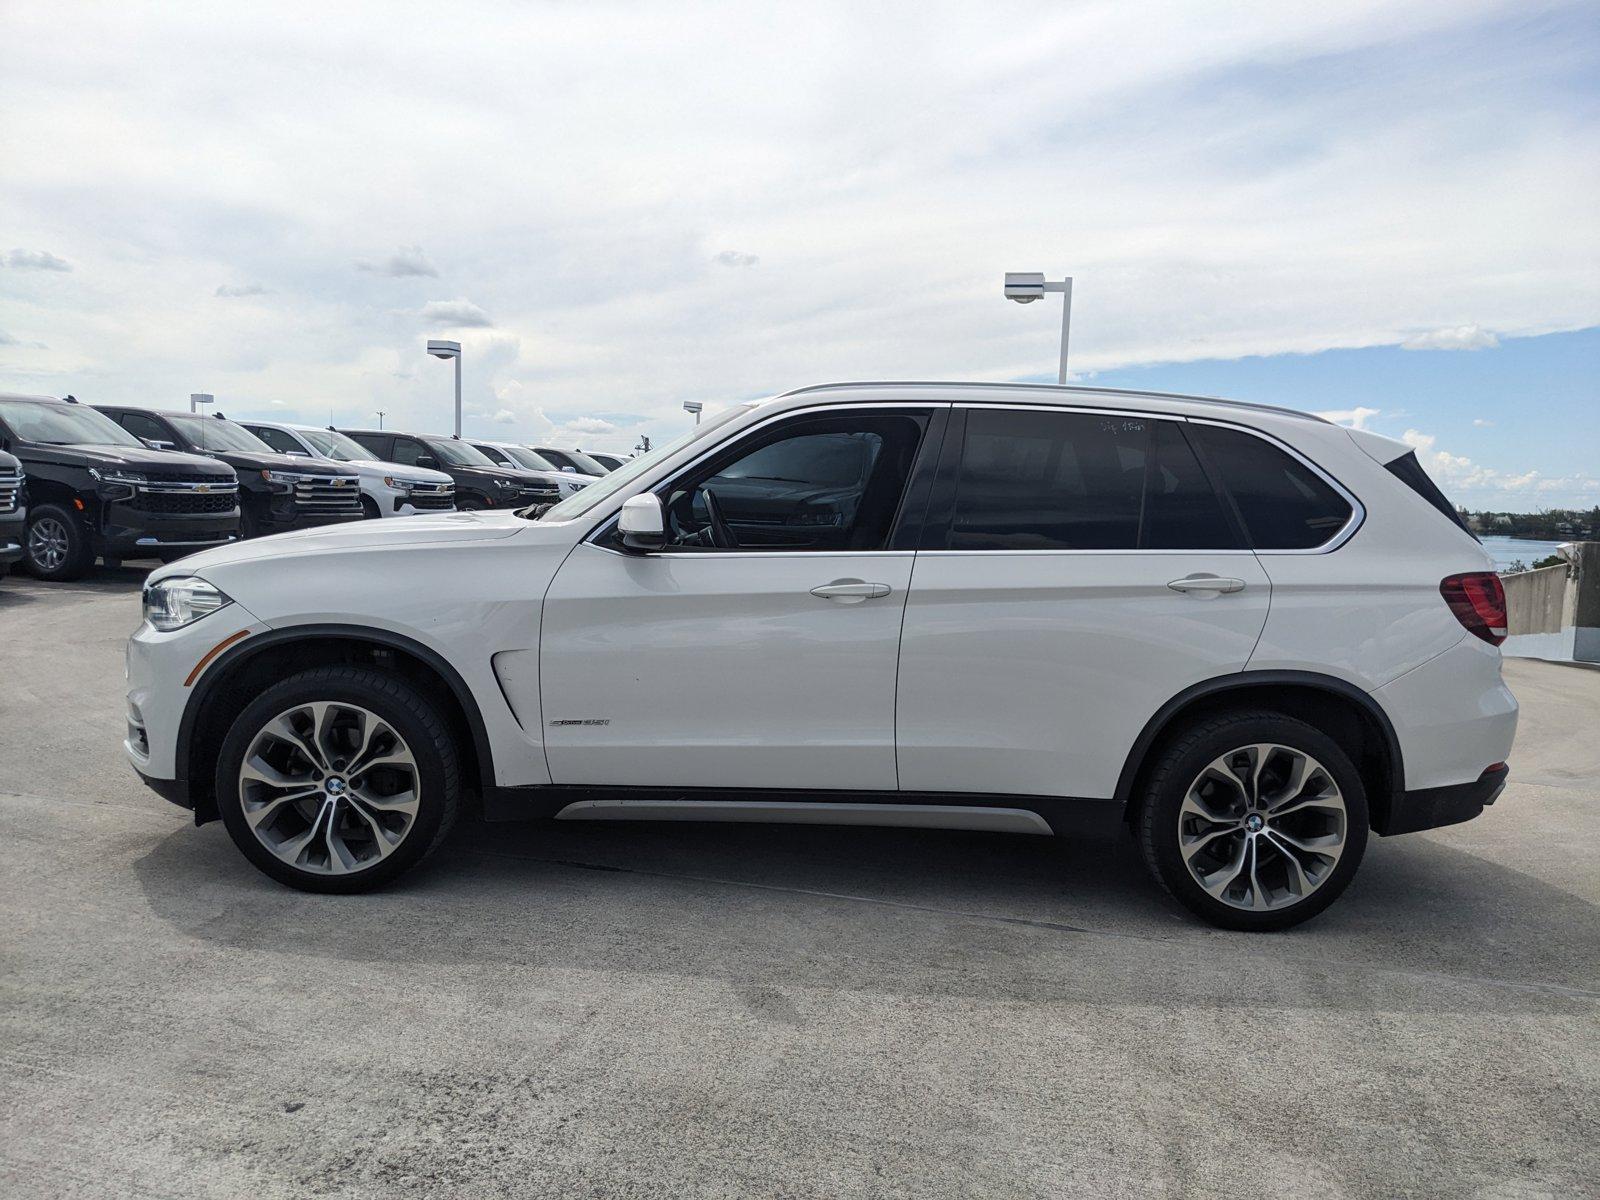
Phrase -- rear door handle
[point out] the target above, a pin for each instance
(1207, 583)
(851, 591)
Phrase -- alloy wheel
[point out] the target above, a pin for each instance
(1262, 827)
(329, 787)
(48, 544)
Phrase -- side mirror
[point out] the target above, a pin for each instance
(157, 444)
(570, 469)
(641, 523)
(428, 461)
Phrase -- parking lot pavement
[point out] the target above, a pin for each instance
(703, 1011)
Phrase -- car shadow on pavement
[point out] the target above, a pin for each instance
(768, 908)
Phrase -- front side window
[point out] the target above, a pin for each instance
(142, 426)
(212, 433)
(408, 452)
(331, 444)
(495, 455)
(1046, 480)
(280, 441)
(375, 444)
(815, 483)
(1284, 504)
(457, 454)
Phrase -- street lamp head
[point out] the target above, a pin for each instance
(692, 406)
(1024, 286)
(444, 349)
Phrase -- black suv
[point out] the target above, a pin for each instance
(276, 491)
(96, 491)
(13, 511)
(480, 483)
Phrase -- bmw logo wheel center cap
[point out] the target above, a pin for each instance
(1252, 824)
(335, 786)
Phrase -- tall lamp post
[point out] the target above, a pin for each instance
(1027, 286)
(450, 350)
(196, 399)
(694, 407)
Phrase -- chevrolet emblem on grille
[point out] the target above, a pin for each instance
(338, 483)
(202, 487)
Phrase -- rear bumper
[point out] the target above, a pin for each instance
(1431, 808)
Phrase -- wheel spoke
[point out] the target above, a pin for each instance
(257, 814)
(283, 729)
(1220, 880)
(1322, 800)
(1193, 846)
(1299, 883)
(383, 841)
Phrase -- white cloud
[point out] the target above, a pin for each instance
(1345, 182)
(242, 289)
(34, 260)
(1482, 487)
(735, 258)
(591, 425)
(1355, 418)
(460, 312)
(7, 340)
(409, 261)
(1459, 337)
(1482, 422)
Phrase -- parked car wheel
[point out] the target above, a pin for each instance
(369, 508)
(1253, 820)
(57, 545)
(338, 779)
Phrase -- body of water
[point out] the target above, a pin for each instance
(1506, 550)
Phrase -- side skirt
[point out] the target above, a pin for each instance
(1065, 817)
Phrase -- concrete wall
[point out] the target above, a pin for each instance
(1554, 612)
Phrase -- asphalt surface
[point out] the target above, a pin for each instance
(711, 1011)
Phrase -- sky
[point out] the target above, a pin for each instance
(1381, 211)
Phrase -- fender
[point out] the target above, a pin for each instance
(249, 647)
(1249, 679)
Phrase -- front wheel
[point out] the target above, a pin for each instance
(338, 779)
(1253, 820)
(56, 546)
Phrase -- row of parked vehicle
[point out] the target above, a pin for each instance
(82, 483)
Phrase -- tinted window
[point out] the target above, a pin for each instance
(145, 427)
(1409, 471)
(214, 433)
(375, 443)
(495, 455)
(1081, 481)
(824, 484)
(278, 440)
(1284, 504)
(408, 451)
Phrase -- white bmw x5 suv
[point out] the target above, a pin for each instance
(1248, 634)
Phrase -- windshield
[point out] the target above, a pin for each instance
(575, 458)
(458, 454)
(334, 445)
(523, 457)
(213, 433)
(610, 484)
(63, 425)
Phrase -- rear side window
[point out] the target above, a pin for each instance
(1082, 481)
(1409, 471)
(1284, 504)
(377, 443)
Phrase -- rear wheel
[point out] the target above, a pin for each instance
(1254, 820)
(56, 545)
(338, 779)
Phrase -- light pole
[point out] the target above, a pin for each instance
(693, 406)
(450, 350)
(1027, 286)
(380, 418)
(196, 399)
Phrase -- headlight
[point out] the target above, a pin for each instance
(174, 603)
(115, 484)
(399, 485)
(284, 478)
(116, 476)
(504, 483)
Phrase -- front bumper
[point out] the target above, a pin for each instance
(127, 532)
(281, 519)
(1431, 808)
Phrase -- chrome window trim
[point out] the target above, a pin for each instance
(608, 522)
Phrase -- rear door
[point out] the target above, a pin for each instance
(1078, 570)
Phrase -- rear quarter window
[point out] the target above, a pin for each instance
(1409, 471)
(1283, 503)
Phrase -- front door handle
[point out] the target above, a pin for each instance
(851, 591)
(1207, 583)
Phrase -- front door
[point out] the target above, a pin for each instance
(758, 649)
(1081, 572)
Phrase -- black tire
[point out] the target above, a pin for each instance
(469, 503)
(40, 562)
(249, 526)
(397, 703)
(1180, 761)
(369, 508)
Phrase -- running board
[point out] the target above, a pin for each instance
(916, 816)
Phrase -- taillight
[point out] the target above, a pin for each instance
(1479, 603)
